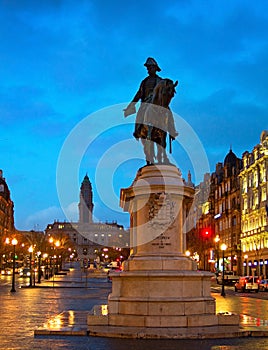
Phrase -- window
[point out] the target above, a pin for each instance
(263, 194)
(245, 204)
(234, 221)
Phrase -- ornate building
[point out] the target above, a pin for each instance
(217, 216)
(254, 200)
(88, 237)
(227, 216)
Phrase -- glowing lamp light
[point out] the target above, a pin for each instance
(223, 246)
(14, 241)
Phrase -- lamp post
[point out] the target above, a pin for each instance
(223, 248)
(45, 257)
(51, 259)
(39, 266)
(57, 245)
(31, 272)
(246, 265)
(14, 242)
(217, 239)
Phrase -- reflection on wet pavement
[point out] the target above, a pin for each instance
(68, 322)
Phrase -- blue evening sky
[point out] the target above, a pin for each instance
(68, 68)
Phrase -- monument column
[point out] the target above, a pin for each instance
(160, 292)
(157, 203)
(159, 286)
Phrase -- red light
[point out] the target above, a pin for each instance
(206, 231)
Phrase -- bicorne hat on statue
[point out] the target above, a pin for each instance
(152, 62)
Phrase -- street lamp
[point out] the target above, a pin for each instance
(58, 257)
(188, 253)
(14, 242)
(39, 266)
(246, 265)
(217, 239)
(45, 257)
(223, 248)
(31, 272)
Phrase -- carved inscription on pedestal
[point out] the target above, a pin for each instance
(161, 241)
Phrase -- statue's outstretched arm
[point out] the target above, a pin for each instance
(131, 109)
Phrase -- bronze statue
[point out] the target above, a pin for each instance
(154, 118)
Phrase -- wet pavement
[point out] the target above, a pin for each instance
(66, 301)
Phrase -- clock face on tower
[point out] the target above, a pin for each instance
(2, 188)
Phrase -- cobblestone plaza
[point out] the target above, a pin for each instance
(28, 309)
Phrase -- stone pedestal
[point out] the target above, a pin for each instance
(159, 287)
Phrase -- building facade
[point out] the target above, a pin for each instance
(254, 216)
(218, 218)
(225, 188)
(199, 239)
(90, 238)
(235, 212)
(6, 209)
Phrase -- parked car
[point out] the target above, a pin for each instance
(229, 278)
(6, 271)
(26, 272)
(263, 285)
(247, 284)
(105, 267)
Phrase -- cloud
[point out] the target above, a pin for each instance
(43, 217)
(63, 59)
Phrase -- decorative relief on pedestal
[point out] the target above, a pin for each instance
(161, 213)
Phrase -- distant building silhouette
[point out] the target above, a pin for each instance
(86, 202)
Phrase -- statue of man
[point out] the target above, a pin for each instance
(144, 94)
(152, 124)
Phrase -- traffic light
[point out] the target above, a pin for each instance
(206, 232)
